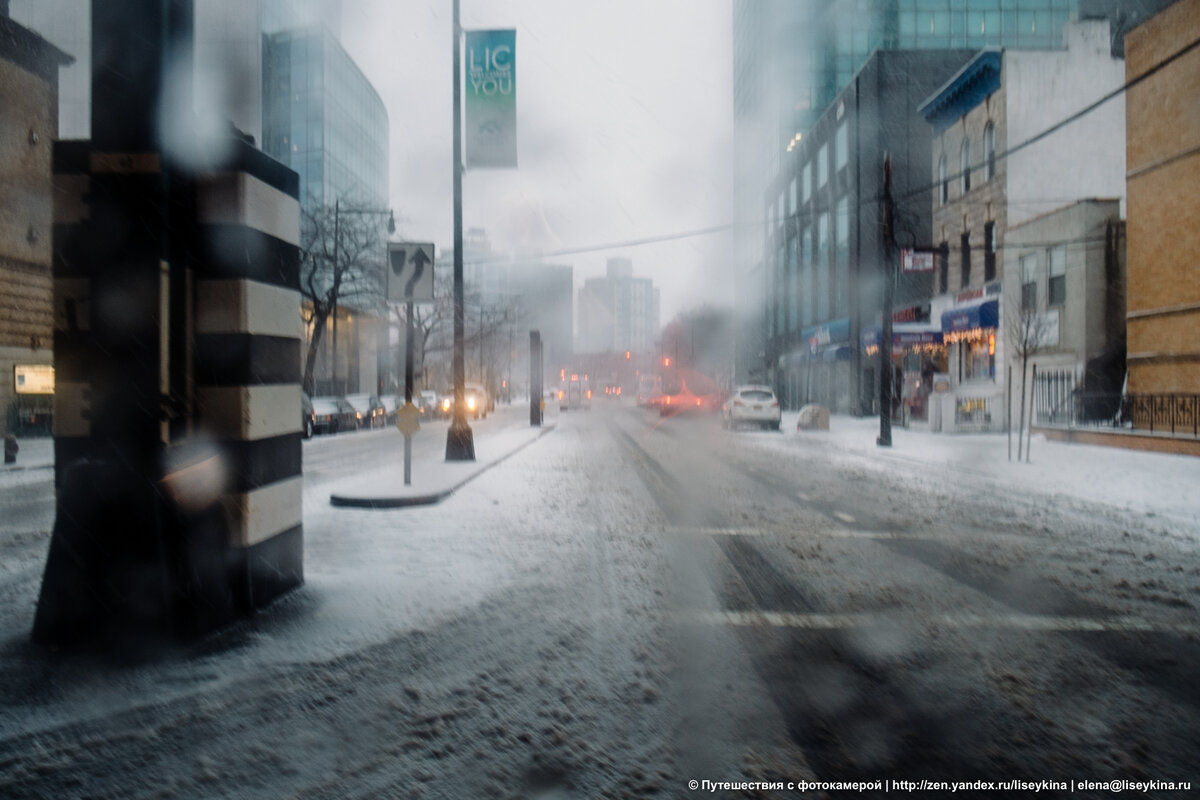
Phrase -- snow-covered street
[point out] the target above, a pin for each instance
(626, 604)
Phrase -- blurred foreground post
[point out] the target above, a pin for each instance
(176, 276)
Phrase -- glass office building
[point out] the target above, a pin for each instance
(324, 119)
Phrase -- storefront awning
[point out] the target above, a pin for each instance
(984, 315)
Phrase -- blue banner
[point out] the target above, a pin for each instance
(490, 107)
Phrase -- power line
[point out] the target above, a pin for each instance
(871, 201)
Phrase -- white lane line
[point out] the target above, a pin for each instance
(1020, 622)
(844, 517)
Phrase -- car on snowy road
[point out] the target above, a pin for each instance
(332, 415)
(752, 405)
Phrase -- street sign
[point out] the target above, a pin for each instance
(408, 419)
(410, 273)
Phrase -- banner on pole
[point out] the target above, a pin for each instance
(490, 107)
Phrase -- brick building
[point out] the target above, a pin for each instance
(28, 127)
(1163, 153)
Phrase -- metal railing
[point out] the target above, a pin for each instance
(1175, 414)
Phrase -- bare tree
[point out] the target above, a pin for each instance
(342, 256)
(1028, 332)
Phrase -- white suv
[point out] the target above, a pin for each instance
(755, 405)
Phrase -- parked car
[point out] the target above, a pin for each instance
(755, 405)
(308, 417)
(333, 414)
(390, 403)
(370, 410)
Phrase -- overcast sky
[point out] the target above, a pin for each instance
(624, 120)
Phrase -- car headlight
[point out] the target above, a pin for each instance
(471, 403)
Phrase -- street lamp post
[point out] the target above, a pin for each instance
(460, 441)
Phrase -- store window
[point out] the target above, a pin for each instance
(1029, 283)
(822, 166)
(806, 277)
(1056, 288)
(806, 181)
(979, 357)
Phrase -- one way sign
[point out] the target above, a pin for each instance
(410, 272)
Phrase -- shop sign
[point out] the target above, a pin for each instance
(912, 314)
(916, 260)
(33, 379)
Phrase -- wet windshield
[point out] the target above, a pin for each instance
(829, 419)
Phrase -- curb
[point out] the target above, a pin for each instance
(342, 501)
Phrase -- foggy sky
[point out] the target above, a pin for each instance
(624, 122)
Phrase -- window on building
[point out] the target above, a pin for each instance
(793, 287)
(780, 292)
(943, 182)
(841, 153)
(822, 166)
(943, 257)
(822, 290)
(989, 151)
(1029, 283)
(806, 181)
(1056, 285)
(792, 198)
(841, 278)
(806, 278)
(965, 246)
(989, 251)
(964, 165)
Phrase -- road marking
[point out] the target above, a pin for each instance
(844, 517)
(843, 533)
(805, 497)
(1020, 622)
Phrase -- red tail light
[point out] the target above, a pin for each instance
(774, 404)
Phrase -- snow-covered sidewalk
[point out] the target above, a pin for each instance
(1137, 481)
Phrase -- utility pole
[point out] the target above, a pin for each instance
(460, 441)
(889, 284)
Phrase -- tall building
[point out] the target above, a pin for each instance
(618, 312)
(28, 127)
(792, 58)
(324, 119)
(824, 247)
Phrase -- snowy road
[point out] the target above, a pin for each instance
(629, 604)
